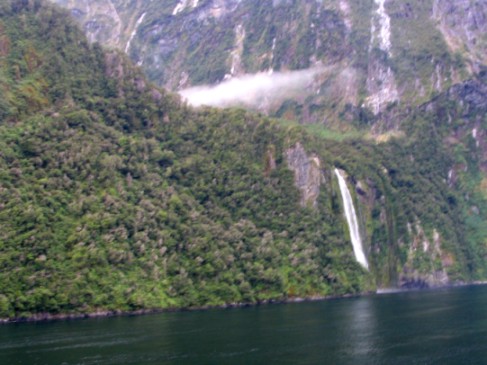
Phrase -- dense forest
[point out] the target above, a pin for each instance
(115, 195)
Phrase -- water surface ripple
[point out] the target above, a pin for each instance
(437, 327)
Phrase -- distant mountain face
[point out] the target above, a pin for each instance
(367, 58)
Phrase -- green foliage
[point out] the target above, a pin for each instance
(420, 51)
(116, 196)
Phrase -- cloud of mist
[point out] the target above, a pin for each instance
(256, 90)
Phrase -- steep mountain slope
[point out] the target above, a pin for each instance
(458, 118)
(115, 195)
(373, 57)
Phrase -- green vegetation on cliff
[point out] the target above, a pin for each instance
(114, 195)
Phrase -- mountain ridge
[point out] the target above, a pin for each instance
(387, 56)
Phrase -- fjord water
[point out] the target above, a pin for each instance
(437, 327)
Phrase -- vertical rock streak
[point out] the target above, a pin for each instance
(352, 221)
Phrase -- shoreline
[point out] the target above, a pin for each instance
(50, 317)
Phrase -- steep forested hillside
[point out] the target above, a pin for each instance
(115, 195)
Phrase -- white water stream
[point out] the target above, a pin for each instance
(137, 24)
(352, 221)
(384, 23)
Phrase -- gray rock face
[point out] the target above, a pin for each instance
(100, 20)
(377, 57)
(307, 173)
(466, 105)
(436, 261)
(463, 23)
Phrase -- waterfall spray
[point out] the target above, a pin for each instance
(352, 221)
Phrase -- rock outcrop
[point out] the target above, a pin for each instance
(307, 173)
(463, 24)
(433, 271)
(462, 108)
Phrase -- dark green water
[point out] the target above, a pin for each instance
(438, 327)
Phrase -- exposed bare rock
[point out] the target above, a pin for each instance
(100, 19)
(428, 250)
(4, 43)
(376, 58)
(307, 173)
(465, 102)
(381, 86)
(270, 160)
(114, 65)
(463, 23)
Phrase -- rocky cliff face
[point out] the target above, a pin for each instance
(433, 271)
(100, 20)
(463, 24)
(456, 118)
(460, 116)
(375, 57)
(307, 173)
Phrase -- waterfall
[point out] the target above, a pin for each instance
(134, 32)
(352, 221)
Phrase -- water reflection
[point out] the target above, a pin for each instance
(362, 329)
